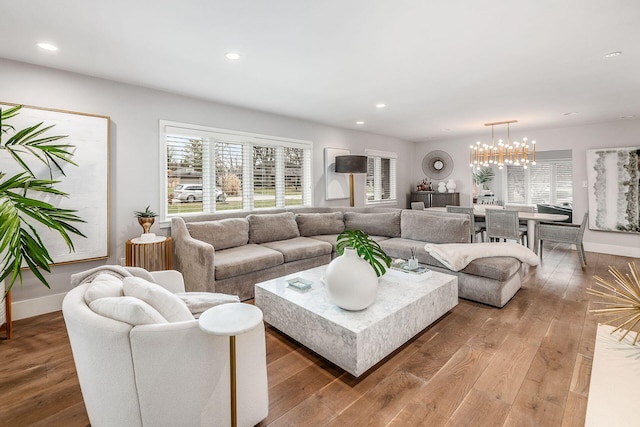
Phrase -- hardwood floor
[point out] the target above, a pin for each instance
(527, 364)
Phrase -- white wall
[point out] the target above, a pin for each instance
(579, 139)
(135, 156)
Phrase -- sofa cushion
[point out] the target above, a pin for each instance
(246, 259)
(300, 248)
(312, 224)
(166, 303)
(374, 224)
(333, 239)
(221, 234)
(272, 227)
(441, 228)
(104, 285)
(498, 268)
(129, 310)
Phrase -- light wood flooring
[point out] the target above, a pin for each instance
(527, 364)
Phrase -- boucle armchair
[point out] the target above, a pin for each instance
(168, 373)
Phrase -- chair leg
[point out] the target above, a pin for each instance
(540, 247)
(580, 250)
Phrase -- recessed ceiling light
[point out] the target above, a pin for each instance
(445, 129)
(47, 46)
(613, 54)
(570, 113)
(381, 105)
(359, 122)
(628, 117)
(233, 56)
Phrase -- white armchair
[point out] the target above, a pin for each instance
(165, 374)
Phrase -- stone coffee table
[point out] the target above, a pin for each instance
(355, 340)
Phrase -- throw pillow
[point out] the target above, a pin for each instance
(272, 227)
(127, 309)
(221, 234)
(374, 224)
(314, 224)
(104, 285)
(199, 302)
(167, 304)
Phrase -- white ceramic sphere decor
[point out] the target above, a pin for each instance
(351, 282)
(442, 187)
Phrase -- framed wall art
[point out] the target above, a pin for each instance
(87, 183)
(336, 184)
(613, 176)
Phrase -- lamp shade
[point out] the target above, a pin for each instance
(351, 164)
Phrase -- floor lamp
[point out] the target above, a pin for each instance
(351, 164)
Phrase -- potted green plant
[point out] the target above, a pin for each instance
(483, 176)
(352, 278)
(146, 218)
(20, 207)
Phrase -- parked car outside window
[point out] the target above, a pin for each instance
(193, 193)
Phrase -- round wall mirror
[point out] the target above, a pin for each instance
(437, 165)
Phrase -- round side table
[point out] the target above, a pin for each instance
(231, 320)
(152, 255)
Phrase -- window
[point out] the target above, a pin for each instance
(209, 170)
(381, 176)
(549, 181)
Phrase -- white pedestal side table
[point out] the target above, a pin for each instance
(231, 320)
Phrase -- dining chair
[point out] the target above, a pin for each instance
(523, 222)
(503, 224)
(417, 206)
(564, 233)
(477, 226)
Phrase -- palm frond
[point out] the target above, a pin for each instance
(366, 248)
(20, 243)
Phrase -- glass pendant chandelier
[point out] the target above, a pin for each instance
(514, 154)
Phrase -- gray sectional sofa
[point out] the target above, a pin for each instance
(231, 252)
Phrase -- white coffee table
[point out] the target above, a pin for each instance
(355, 340)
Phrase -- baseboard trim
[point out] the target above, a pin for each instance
(36, 306)
(612, 249)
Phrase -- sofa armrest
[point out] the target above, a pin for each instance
(171, 280)
(194, 258)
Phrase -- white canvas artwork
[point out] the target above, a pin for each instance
(336, 184)
(87, 184)
(613, 176)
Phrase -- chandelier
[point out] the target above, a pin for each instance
(515, 154)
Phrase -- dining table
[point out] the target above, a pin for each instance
(532, 218)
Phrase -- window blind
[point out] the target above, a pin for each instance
(233, 170)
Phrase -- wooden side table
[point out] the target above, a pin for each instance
(154, 255)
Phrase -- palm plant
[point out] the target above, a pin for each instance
(483, 176)
(20, 243)
(366, 248)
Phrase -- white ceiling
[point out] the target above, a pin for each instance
(438, 65)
